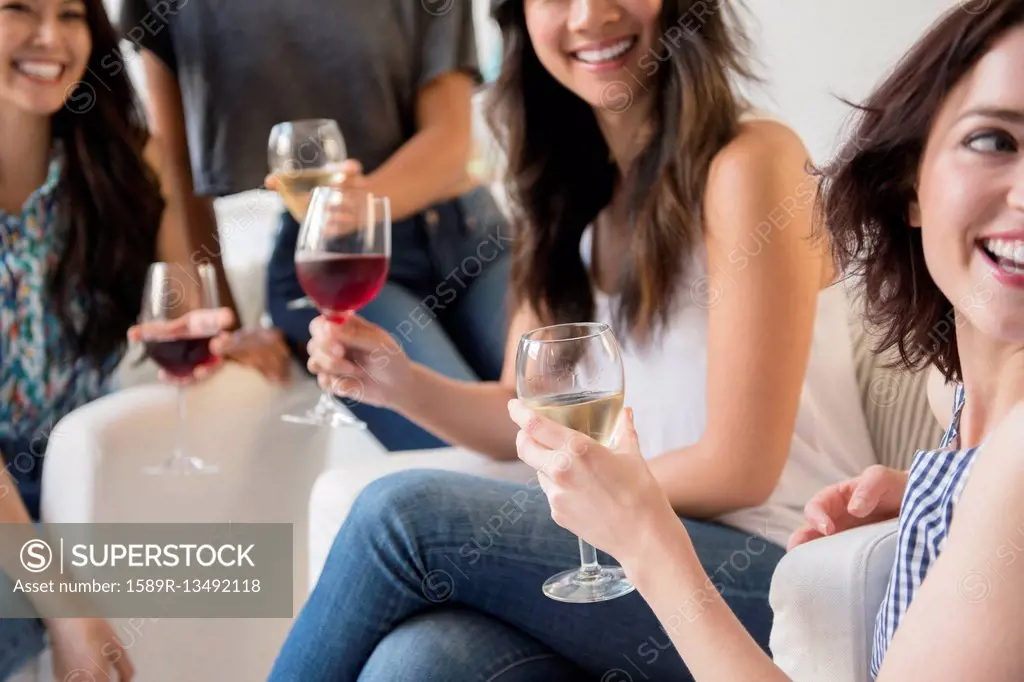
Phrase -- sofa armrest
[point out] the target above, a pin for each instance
(825, 595)
(335, 490)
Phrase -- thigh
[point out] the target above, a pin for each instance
(458, 645)
(424, 340)
(21, 639)
(488, 546)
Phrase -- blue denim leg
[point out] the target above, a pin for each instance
(457, 645)
(478, 321)
(21, 639)
(419, 541)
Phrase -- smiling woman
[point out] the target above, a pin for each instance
(81, 219)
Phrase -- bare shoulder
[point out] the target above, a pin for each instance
(764, 167)
(761, 146)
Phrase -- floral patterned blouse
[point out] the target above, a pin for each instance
(37, 386)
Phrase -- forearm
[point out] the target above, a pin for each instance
(701, 485)
(705, 632)
(472, 415)
(431, 167)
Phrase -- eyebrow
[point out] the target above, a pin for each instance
(1003, 114)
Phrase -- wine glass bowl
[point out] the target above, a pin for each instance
(303, 155)
(573, 375)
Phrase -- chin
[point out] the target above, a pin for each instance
(999, 320)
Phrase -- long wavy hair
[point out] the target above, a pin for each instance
(108, 201)
(560, 174)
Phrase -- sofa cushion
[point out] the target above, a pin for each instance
(895, 401)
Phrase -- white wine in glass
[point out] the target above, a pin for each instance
(303, 155)
(572, 374)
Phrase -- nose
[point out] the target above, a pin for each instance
(587, 15)
(1016, 196)
(47, 31)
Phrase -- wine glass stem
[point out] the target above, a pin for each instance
(588, 560)
(179, 452)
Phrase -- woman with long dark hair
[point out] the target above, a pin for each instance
(81, 220)
(925, 204)
(648, 196)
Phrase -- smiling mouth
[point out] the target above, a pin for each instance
(606, 55)
(1006, 254)
(42, 71)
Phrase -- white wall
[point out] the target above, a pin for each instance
(816, 50)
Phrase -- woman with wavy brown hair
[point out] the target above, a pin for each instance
(648, 196)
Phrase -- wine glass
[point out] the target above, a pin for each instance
(341, 260)
(303, 155)
(572, 374)
(179, 318)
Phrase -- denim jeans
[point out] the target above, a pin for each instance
(437, 576)
(21, 639)
(444, 302)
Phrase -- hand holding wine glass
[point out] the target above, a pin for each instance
(341, 260)
(606, 495)
(572, 375)
(180, 318)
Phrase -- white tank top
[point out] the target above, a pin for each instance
(665, 386)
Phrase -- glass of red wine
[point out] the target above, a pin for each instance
(341, 260)
(180, 316)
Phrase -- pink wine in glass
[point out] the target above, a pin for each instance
(181, 357)
(341, 282)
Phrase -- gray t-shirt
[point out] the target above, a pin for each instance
(244, 65)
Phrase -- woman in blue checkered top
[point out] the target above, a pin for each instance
(926, 206)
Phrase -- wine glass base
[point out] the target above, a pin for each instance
(575, 587)
(182, 466)
(330, 419)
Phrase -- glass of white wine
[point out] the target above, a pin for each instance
(572, 374)
(303, 155)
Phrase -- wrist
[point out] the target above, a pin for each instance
(663, 541)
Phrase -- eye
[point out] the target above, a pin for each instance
(74, 12)
(992, 141)
(16, 7)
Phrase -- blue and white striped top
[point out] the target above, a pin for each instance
(936, 480)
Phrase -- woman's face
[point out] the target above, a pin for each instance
(971, 194)
(44, 50)
(587, 45)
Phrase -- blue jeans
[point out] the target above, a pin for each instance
(21, 639)
(436, 576)
(445, 300)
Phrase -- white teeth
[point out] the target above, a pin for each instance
(607, 54)
(1007, 249)
(44, 70)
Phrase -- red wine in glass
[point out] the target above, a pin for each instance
(341, 282)
(181, 357)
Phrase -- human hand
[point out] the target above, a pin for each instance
(358, 360)
(86, 649)
(873, 496)
(264, 350)
(349, 175)
(607, 496)
(208, 323)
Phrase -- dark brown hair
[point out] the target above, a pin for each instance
(867, 191)
(108, 201)
(560, 174)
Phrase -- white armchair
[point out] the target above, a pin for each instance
(825, 595)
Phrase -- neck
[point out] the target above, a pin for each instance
(24, 153)
(993, 380)
(625, 132)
